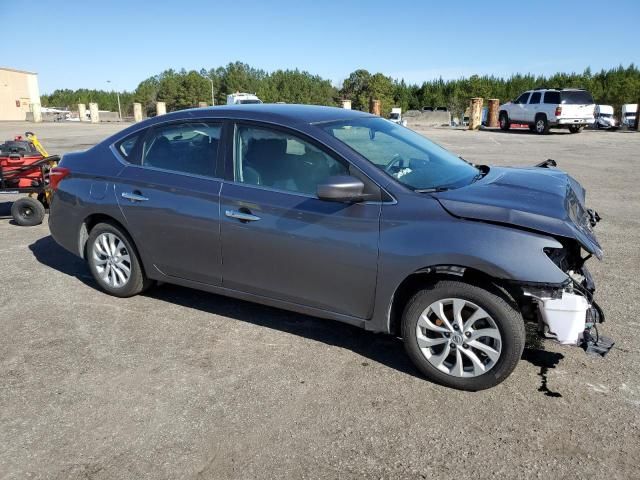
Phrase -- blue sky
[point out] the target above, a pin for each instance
(415, 40)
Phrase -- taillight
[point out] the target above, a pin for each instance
(56, 175)
(558, 111)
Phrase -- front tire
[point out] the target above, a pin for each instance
(505, 124)
(462, 336)
(114, 263)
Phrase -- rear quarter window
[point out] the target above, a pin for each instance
(127, 147)
(552, 98)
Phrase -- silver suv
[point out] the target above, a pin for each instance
(544, 108)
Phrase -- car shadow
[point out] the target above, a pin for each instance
(49, 253)
(384, 349)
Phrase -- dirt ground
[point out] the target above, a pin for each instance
(184, 384)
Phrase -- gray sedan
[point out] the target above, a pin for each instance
(342, 215)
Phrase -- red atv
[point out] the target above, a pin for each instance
(25, 168)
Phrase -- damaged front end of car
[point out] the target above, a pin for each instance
(568, 313)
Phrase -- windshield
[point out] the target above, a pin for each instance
(577, 97)
(630, 114)
(394, 116)
(405, 155)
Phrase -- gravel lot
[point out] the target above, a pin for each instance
(183, 384)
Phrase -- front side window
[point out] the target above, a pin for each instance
(184, 147)
(523, 98)
(403, 154)
(276, 159)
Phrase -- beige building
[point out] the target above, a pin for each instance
(18, 89)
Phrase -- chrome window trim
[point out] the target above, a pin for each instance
(161, 170)
(299, 194)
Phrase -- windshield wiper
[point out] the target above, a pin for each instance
(482, 171)
(431, 190)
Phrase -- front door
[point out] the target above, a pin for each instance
(280, 241)
(169, 197)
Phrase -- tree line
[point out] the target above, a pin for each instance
(185, 89)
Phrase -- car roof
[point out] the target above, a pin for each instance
(284, 113)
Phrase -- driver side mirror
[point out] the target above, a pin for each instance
(343, 188)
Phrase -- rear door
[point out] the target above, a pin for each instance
(169, 196)
(280, 241)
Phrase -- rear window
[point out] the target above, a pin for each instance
(576, 98)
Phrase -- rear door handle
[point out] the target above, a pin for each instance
(242, 216)
(134, 197)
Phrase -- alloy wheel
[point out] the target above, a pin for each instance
(458, 337)
(111, 260)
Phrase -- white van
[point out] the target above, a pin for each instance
(242, 98)
(604, 117)
(628, 114)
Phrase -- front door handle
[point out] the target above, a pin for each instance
(242, 216)
(134, 197)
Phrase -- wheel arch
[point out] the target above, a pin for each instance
(91, 221)
(429, 276)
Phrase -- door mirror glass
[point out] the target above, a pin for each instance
(343, 188)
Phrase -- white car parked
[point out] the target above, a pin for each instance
(544, 108)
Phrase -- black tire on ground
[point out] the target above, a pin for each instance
(27, 212)
(137, 281)
(541, 125)
(507, 319)
(504, 122)
(575, 128)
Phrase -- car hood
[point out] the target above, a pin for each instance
(547, 200)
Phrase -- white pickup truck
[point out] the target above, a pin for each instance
(545, 108)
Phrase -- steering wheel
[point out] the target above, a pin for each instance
(397, 158)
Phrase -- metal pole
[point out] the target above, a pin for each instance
(213, 101)
(119, 109)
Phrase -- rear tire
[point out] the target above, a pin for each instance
(462, 355)
(575, 128)
(505, 124)
(541, 125)
(114, 262)
(27, 212)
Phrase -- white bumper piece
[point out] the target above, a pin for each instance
(565, 317)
